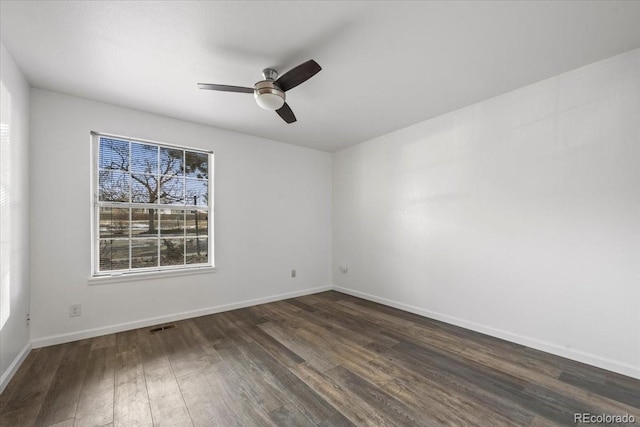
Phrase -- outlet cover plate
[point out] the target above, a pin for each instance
(75, 310)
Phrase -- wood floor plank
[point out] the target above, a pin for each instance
(362, 332)
(262, 311)
(337, 350)
(235, 325)
(301, 305)
(167, 405)
(274, 347)
(628, 396)
(222, 378)
(24, 416)
(95, 405)
(408, 330)
(469, 337)
(419, 371)
(261, 392)
(539, 400)
(18, 382)
(25, 400)
(62, 396)
(65, 423)
(131, 401)
(451, 403)
(128, 364)
(289, 416)
(199, 337)
(207, 405)
(284, 308)
(299, 393)
(348, 403)
(331, 296)
(131, 406)
(441, 412)
(227, 326)
(280, 311)
(442, 398)
(152, 351)
(216, 336)
(246, 316)
(539, 421)
(188, 352)
(619, 380)
(126, 340)
(310, 299)
(104, 341)
(533, 373)
(497, 356)
(273, 315)
(392, 409)
(285, 336)
(337, 326)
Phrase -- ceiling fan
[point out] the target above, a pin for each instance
(270, 92)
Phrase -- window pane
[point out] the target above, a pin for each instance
(171, 222)
(144, 158)
(114, 154)
(197, 165)
(197, 251)
(144, 188)
(197, 192)
(171, 190)
(197, 223)
(144, 253)
(114, 222)
(114, 255)
(144, 222)
(172, 252)
(113, 186)
(171, 161)
(133, 176)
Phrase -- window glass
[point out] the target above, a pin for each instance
(144, 213)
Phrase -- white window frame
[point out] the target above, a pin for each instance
(98, 276)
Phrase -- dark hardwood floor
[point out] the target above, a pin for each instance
(327, 359)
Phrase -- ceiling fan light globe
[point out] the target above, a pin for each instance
(269, 101)
(268, 95)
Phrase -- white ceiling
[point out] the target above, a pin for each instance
(386, 65)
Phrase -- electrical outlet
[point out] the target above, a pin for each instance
(75, 310)
(293, 273)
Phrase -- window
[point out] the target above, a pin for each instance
(151, 206)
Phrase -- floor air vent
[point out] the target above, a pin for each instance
(161, 328)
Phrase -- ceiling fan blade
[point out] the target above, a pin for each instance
(299, 74)
(286, 113)
(225, 88)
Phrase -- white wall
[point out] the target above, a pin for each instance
(14, 211)
(272, 214)
(518, 216)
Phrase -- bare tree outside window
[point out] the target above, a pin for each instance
(153, 204)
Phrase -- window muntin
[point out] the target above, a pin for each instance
(152, 206)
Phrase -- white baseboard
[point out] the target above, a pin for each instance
(13, 368)
(579, 356)
(90, 333)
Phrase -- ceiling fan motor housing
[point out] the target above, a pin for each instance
(268, 95)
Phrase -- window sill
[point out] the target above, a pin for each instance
(148, 275)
